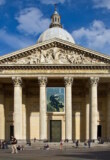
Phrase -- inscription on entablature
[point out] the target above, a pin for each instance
(55, 56)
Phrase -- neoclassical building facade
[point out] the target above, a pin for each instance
(55, 61)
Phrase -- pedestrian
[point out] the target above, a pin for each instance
(34, 139)
(77, 143)
(46, 147)
(61, 145)
(89, 143)
(13, 144)
(85, 143)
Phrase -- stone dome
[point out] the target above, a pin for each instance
(55, 32)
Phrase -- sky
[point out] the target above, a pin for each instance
(22, 22)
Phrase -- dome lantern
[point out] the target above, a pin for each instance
(55, 19)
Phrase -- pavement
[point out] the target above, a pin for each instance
(81, 153)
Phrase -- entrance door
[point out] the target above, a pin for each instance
(55, 131)
(11, 130)
(99, 131)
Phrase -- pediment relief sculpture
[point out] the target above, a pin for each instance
(56, 56)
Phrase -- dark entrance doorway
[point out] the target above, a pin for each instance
(11, 130)
(55, 130)
(99, 131)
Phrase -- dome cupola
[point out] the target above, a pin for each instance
(55, 30)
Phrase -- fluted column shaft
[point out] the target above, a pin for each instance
(43, 116)
(93, 108)
(17, 107)
(68, 108)
(87, 116)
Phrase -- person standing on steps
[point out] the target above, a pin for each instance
(61, 145)
(13, 145)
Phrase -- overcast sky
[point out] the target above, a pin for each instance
(22, 21)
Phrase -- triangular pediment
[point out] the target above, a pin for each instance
(55, 52)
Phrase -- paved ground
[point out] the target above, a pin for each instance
(95, 153)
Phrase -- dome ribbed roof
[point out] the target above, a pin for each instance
(55, 32)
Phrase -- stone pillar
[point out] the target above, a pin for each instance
(87, 99)
(2, 114)
(77, 125)
(108, 113)
(24, 115)
(68, 108)
(17, 107)
(43, 108)
(93, 108)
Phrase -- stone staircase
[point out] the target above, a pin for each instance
(56, 146)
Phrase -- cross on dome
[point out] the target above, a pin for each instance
(55, 6)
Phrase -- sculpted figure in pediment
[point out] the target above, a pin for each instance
(49, 58)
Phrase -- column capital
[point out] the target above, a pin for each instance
(42, 81)
(17, 81)
(94, 80)
(68, 81)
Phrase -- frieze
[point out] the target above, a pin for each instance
(55, 56)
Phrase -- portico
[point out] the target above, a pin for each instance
(79, 121)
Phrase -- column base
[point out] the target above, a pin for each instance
(21, 141)
(68, 141)
(94, 140)
(43, 140)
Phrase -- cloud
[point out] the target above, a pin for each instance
(52, 1)
(102, 4)
(2, 2)
(31, 21)
(13, 41)
(97, 36)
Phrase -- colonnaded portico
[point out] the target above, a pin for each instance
(55, 90)
(23, 106)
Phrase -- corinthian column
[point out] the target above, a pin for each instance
(93, 108)
(68, 108)
(43, 117)
(108, 113)
(17, 107)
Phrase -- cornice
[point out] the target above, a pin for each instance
(53, 67)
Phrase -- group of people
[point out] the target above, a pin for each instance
(3, 145)
(15, 148)
(86, 143)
